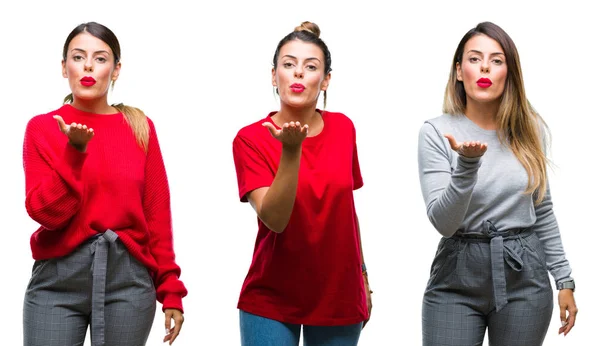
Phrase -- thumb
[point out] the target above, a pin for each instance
(270, 127)
(61, 124)
(452, 141)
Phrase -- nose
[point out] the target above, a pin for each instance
(299, 72)
(485, 67)
(88, 67)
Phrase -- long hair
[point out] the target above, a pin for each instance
(520, 127)
(133, 116)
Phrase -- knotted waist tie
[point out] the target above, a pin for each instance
(99, 249)
(499, 253)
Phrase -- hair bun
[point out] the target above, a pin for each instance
(310, 27)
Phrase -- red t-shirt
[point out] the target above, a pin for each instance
(113, 185)
(311, 272)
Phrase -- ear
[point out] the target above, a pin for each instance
(116, 71)
(64, 68)
(325, 83)
(273, 80)
(458, 72)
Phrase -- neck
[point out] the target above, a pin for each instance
(483, 114)
(97, 106)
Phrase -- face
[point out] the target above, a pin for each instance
(300, 74)
(482, 70)
(90, 67)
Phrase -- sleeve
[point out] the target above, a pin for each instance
(157, 210)
(53, 184)
(547, 230)
(356, 173)
(251, 167)
(447, 193)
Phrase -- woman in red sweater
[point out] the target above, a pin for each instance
(96, 183)
(298, 168)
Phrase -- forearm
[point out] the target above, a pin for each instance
(277, 204)
(447, 206)
(53, 194)
(546, 228)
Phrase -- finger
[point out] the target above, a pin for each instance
(61, 123)
(452, 141)
(571, 320)
(570, 324)
(271, 128)
(305, 129)
(178, 325)
(168, 316)
(563, 319)
(84, 127)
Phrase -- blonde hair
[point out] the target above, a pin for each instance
(520, 127)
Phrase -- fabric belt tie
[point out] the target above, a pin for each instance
(99, 249)
(501, 253)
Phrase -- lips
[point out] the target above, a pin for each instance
(484, 83)
(297, 87)
(87, 81)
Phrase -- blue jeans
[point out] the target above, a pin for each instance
(260, 331)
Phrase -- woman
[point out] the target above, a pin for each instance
(298, 168)
(98, 188)
(486, 191)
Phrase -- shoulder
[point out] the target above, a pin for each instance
(253, 131)
(440, 124)
(338, 118)
(342, 123)
(46, 118)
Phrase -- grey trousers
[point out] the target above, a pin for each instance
(99, 284)
(497, 281)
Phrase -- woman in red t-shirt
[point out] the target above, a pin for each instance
(298, 168)
(98, 189)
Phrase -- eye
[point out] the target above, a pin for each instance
(473, 59)
(311, 67)
(101, 59)
(77, 57)
(498, 61)
(287, 64)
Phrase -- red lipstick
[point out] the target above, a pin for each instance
(484, 83)
(297, 87)
(87, 81)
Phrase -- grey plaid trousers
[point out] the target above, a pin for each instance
(495, 280)
(99, 284)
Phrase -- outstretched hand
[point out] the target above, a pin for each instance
(291, 134)
(467, 149)
(79, 135)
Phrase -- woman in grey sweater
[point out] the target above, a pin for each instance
(482, 168)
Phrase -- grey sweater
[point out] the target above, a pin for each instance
(461, 193)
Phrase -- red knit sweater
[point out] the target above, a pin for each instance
(113, 185)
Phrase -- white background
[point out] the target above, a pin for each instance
(203, 72)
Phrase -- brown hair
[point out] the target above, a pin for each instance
(521, 128)
(133, 116)
(307, 32)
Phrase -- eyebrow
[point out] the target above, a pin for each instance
(476, 51)
(83, 51)
(293, 57)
